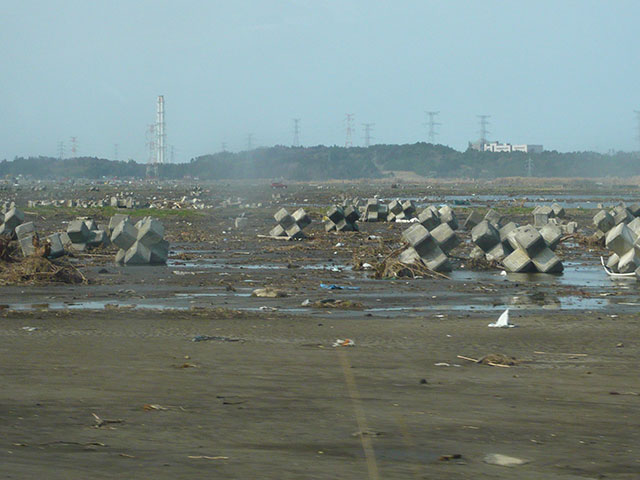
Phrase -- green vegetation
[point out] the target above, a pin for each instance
(326, 163)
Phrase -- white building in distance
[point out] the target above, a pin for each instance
(498, 147)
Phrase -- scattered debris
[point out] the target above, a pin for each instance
(503, 321)
(503, 460)
(347, 342)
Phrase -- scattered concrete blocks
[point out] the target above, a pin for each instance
(341, 219)
(448, 216)
(424, 247)
(620, 239)
(551, 234)
(375, 211)
(290, 225)
(140, 244)
(472, 220)
(429, 218)
(494, 218)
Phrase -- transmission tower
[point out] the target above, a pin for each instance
(296, 132)
(349, 130)
(637, 112)
(60, 150)
(152, 160)
(367, 133)
(484, 123)
(160, 134)
(529, 167)
(74, 146)
(432, 124)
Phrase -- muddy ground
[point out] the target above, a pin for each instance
(265, 395)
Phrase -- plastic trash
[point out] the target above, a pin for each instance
(333, 286)
(347, 342)
(503, 321)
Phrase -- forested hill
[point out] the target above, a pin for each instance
(325, 163)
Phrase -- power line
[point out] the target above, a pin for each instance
(432, 124)
(367, 133)
(296, 132)
(349, 130)
(484, 123)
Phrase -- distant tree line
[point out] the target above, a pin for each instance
(326, 163)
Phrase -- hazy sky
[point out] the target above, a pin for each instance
(562, 73)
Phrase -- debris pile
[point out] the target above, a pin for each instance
(519, 249)
(139, 244)
(341, 219)
(290, 226)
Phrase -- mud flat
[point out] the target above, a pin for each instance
(105, 380)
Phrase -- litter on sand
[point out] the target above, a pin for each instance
(503, 321)
(347, 342)
(333, 286)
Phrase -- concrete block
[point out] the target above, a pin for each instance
(629, 262)
(429, 219)
(124, 235)
(295, 232)
(55, 242)
(527, 238)
(120, 256)
(335, 214)
(436, 260)
(408, 208)
(329, 226)
(552, 235)
(372, 216)
(415, 234)
(115, 220)
(476, 252)
(546, 261)
(544, 210)
(612, 262)
(518, 262)
(283, 218)
(90, 223)
(66, 241)
(301, 218)
(448, 216)
(485, 235)
(97, 238)
(395, 207)
(13, 218)
(25, 230)
(473, 219)
(138, 254)
(494, 218)
(344, 226)
(159, 253)
(351, 214)
(277, 231)
(150, 232)
(77, 231)
(505, 230)
(5, 230)
(445, 237)
(499, 252)
(26, 244)
(603, 221)
(540, 219)
(409, 256)
(634, 226)
(622, 215)
(634, 208)
(620, 239)
(558, 210)
(570, 228)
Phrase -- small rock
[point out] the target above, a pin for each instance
(503, 460)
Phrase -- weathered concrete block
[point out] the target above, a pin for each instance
(13, 218)
(120, 256)
(476, 252)
(408, 208)
(499, 252)
(415, 234)
(527, 238)
(277, 231)
(56, 246)
(295, 232)
(159, 253)
(448, 216)
(494, 218)
(622, 215)
(518, 262)
(351, 214)
(473, 219)
(124, 235)
(150, 232)
(115, 220)
(445, 237)
(138, 254)
(372, 216)
(26, 244)
(283, 218)
(546, 261)
(485, 235)
(603, 221)
(241, 223)
(633, 225)
(97, 238)
(629, 262)
(436, 260)
(634, 208)
(27, 229)
(505, 230)
(540, 219)
(409, 256)
(612, 262)
(395, 207)
(620, 239)
(301, 218)
(344, 226)
(77, 231)
(429, 219)
(90, 223)
(335, 214)
(570, 228)
(552, 235)
(558, 210)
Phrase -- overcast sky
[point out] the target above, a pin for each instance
(561, 73)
